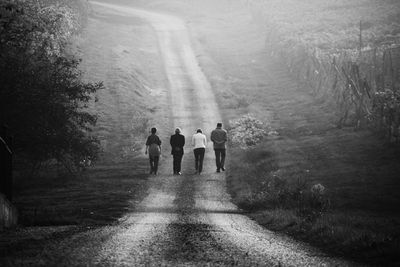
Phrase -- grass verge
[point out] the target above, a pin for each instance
(99, 196)
(342, 219)
(371, 240)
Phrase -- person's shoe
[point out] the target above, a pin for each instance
(222, 169)
(218, 170)
(179, 173)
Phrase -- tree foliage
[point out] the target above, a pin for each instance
(42, 97)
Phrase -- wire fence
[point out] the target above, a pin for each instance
(362, 85)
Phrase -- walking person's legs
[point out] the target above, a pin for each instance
(179, 164)
(201, 158)
(222, 163)
(175, 163)
(196, 159)
(156, 158)
(151, 160)
(218, 159)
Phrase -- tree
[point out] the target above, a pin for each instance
(42, 97)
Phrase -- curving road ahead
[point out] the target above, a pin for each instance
(186, 220)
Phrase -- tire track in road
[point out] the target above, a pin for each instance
(188, 219)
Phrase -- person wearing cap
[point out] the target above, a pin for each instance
(219, 138)
(177, 142)
(199, 143)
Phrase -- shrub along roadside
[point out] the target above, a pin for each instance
(43, 100)
(288, 203)
(373, 240)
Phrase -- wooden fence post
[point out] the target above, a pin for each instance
(360, 41)
(391, 71)
(6, 182)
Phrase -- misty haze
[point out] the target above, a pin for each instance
(199, 132)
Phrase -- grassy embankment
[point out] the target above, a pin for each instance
(357, 168)
(357, 215)
(101, 194)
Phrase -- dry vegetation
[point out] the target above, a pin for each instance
(345, 52)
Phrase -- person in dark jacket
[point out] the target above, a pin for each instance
(219, 138)
(177, 142)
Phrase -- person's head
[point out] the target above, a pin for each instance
(178, 130)
(153, 130)
(219, 125)
(199, 131)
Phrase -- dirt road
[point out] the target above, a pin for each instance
(185, 220)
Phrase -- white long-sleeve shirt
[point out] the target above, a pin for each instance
(199, 140)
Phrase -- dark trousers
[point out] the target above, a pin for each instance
(177, 162)
(154, 164)
(220, 154)
(199, 157)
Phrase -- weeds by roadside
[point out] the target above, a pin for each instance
(302, 208)
(101, 195)
(358, 236)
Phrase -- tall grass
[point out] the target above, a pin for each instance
(373, 240)
(101, 195)
(285, 202)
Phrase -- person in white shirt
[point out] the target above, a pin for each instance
(199, 143)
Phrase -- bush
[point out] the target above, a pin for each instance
(386, 111)
(247, 131)
(272, 190)
(42, 99)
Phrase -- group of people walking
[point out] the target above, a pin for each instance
(199, 144)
